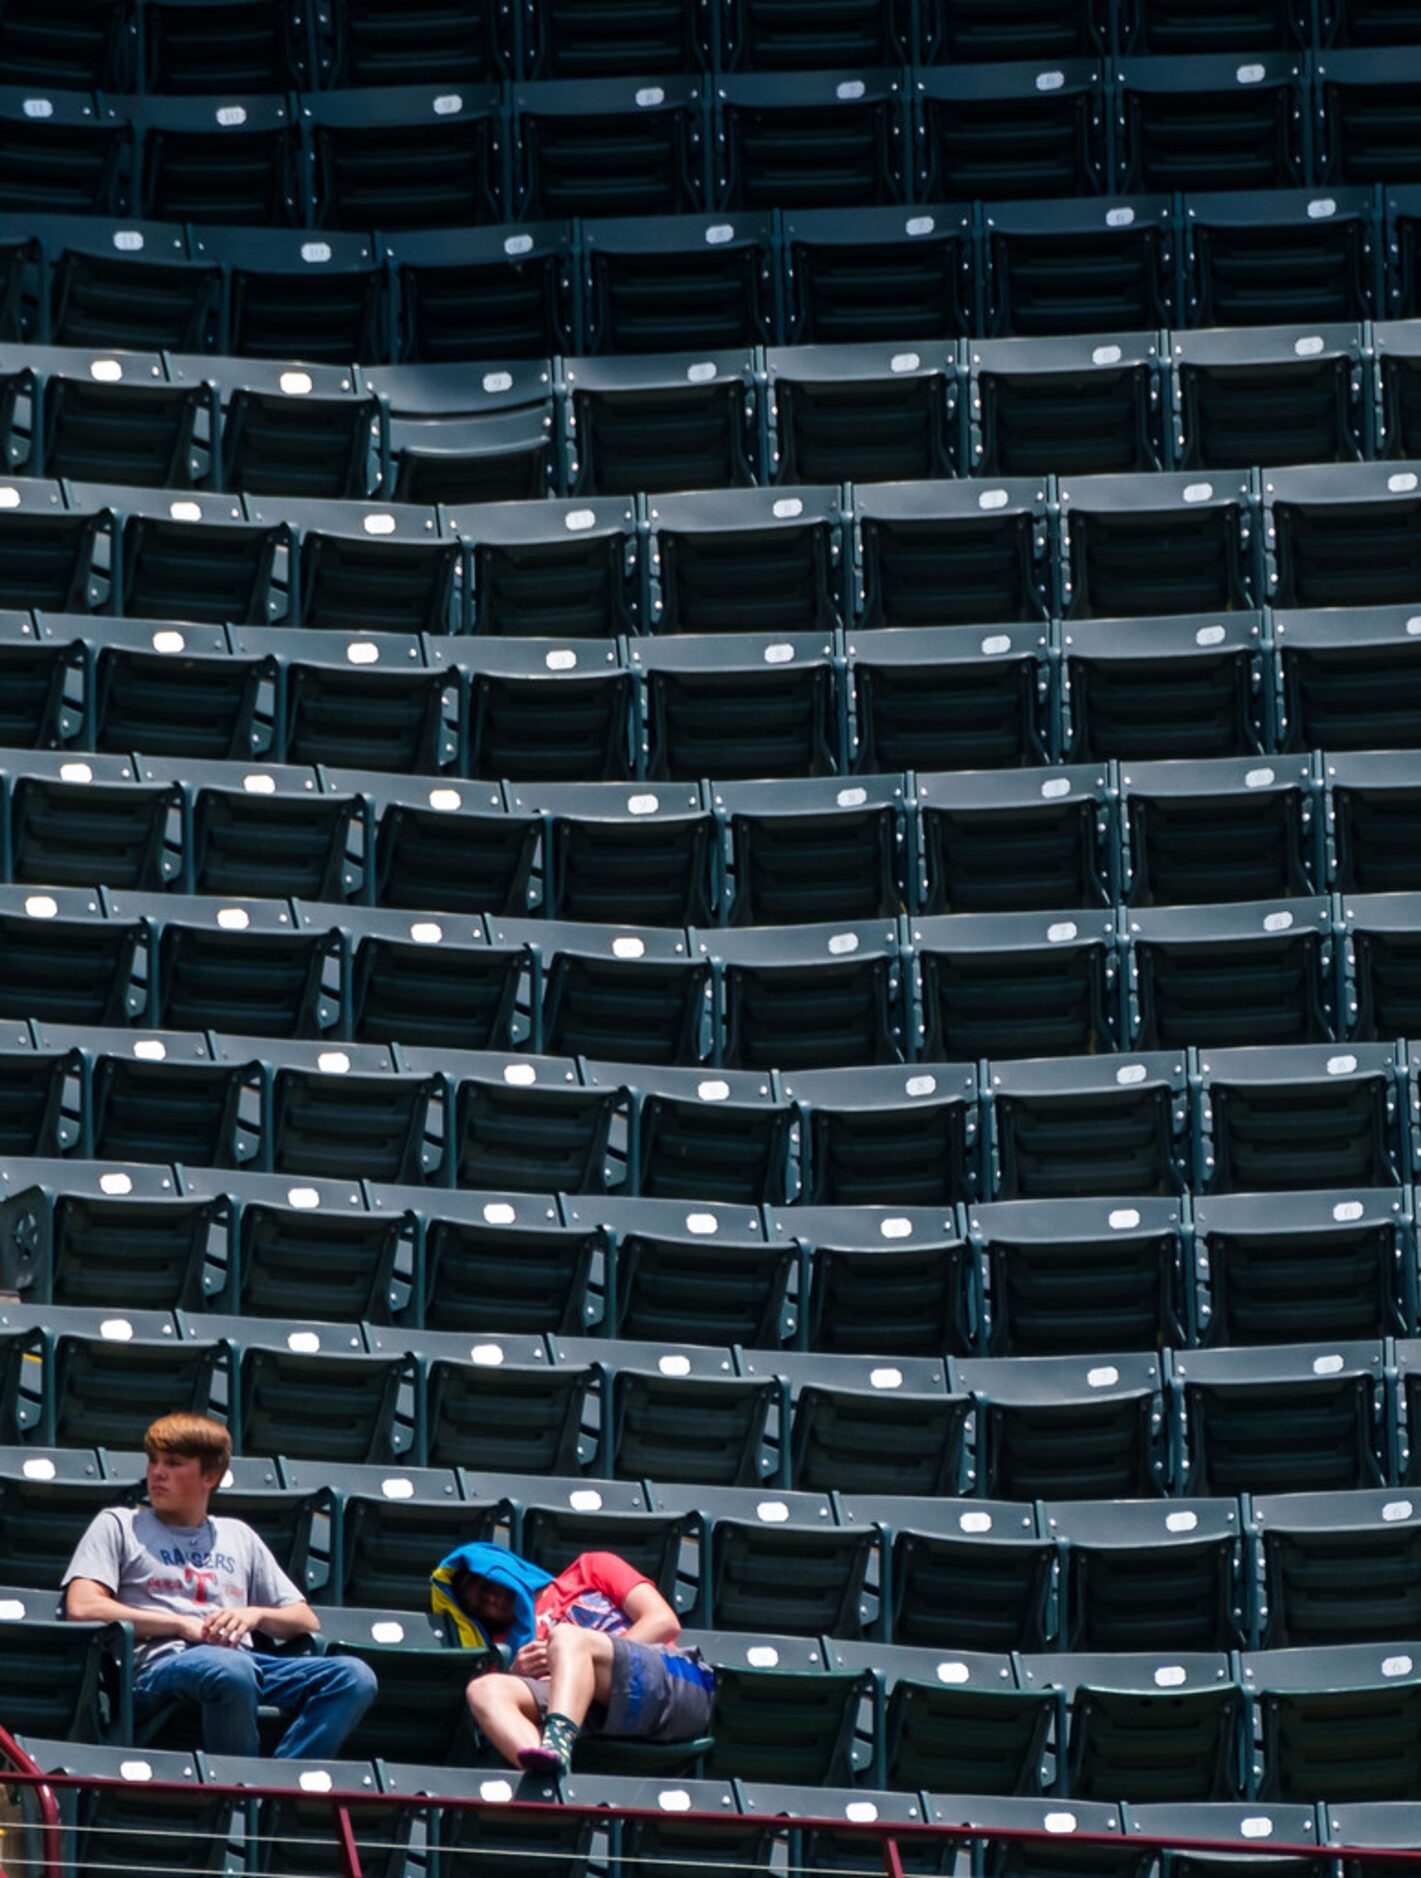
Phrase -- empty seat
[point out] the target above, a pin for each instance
(1077, 406)
(171, 1098)
(405, 156)
(877, 274)
(192, 557)
(156, 686)
(619, 853)
(782, 1713)
(1159, 1575)
(1140, 690)
(1064, 1126)
(39, 664)
(1068, 1276)
(82, 45)
(99, 1370)
(1168, 26)
(659, 423)
(1007, 841)
(723, 1136)
(1015, 129)
(461, 433)
(441, 845)
(52, 549)
(71, 1681)
(565, 570)
(293, 1821)
(61, 958)
(885, 1280)
(1382, 938)
(122, 283)
(364, 568)
(1067, 1427)
(310, 430)
(1342, 536)
(226, 159)
(1364, 135)
(960, 1574)
(1277, 394)
(1005, 984)
(112, 418)
(261, 830)
(1015, 1859)
(747, 560)
(1225, 1819)
(558, 1838)
(1240, 974)
(949, 698)
(1156, 544)
(770, 36)
(557, 1519)
(377, 43)
(48, 1497)
(337, 1111)
(810, 849)
(1280, 256)
(865, 413)
(905, 1136)
(91, 821)
(947, 554)
(734, 705)
(1337, 1721)
(292, 295)
(1085, 266)
(1281, 1418)
(61, 152)
(609, 146)
(1203, 120)
(1403, 286)
(1335, 1567)
(435, 981)
(41, 1111)
(1347, 677)
(221, 46)
(482, 293)
(804, 140)
(1215, 830)
(1398, 382)
(421, 1674)
(807, 997)
(1308, 1117)
(1370, 800)
(670, 283)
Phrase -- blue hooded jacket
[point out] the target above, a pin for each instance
(501, 1567)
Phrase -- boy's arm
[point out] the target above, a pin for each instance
(86, 1601)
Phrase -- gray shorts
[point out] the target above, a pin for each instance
(657, 1695)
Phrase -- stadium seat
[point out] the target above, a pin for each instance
(441, 846)
(1276, 257)
(775, 1560)
(557, 1519)
(43, 1082)
(364, 568)
(555, 570)
(949, 698)
(1148, 1725)
(1158, 1575)
(1065, 1277)
(222, 46)
(655, 1831)
(86, 821)
(52, 549)
(62, 959)
(273, 829)
(1402, 298)
(1308, 1117)
(192, 557)
(229, 159)
(1361, 138)
(422, 1676)
(399, 157)
(617, 854)
(1404, 1355)
(1335, 1567)
(742, 705)
(40, 662)
(724, 1137)
(461, 434)
(993, 132)
(959, 1574)
(782, 1712)
(63, 153)
(173, 1097)
(1240, 1821)
(907, 1136)
(1233, 830)
(885, 1281)
(71, 1681)
(813, 849)
(291, 295)
(1067, 406)
(972, 32)
(304, 431)
(609, 146)
(1156, 545)
(1370, 799)
(482, 293)
(154, 686)
(113, 418)
(84, 45)
(101, 282)
(183, 1827)
(1065, 1126)
(48, 1496)
(1005, 842)
(1067, 1427)
(1203, 121)
(1089, 265)
(877, 275)
(357, 1107)
(949, 554)
(458, 997)
(1336, 1721)
(1381, 934)
(746, 560)
(1005, 984)
(769, 36)
(1341, 535)
(660, 422)
(377, 43)
(1269, 395)
(98, 1372)
(1347, 676)
(292, 1824)
(864, 413)
(963, 1711)
(1017, 1859)
(678, 283)
(811, 139)
(1249, 973)
(807, 997)
(556, 1837)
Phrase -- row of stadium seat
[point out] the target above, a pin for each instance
(631, 1821)
(1009, 1278)
(799, 415)
(1271, 1571)
(719, 853)
(161, 46)
(662, 283)
(791, 998)
(423, 156)
(1278, 1418)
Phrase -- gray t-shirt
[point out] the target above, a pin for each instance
(188, 1570)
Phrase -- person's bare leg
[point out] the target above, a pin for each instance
(579, 1671)
(507, 1715)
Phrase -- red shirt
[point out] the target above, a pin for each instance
(591, 1592)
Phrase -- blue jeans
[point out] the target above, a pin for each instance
(323, 1697)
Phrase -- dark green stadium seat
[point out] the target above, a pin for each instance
(958, 1574)
(1050, 1855)
(51, 541)
(1370, 801)
(782, 1712)
(994, 132)
(39, 661)
(101, 1370)
(86, 44)
(953, 554)
(1149, 1725)
(609, 146)
(1217, 1820)
(1381, 931)
(192, 556)
(884, 1280)
(1133, 545)
(439, 845)
(1335, 1567)
(390, 1523)
(289, 1831)
(877, 274)
(1065, 1126)
(960, 1715)
(1053, 406)
(1009, 984)
(808, 997)
(405, 156)
(312, 431)
(422, 1677)
(741, 705)
(692, 1271)
(949, 698)
(970, 32)
(654, 1833)
(1348, 679)
(47, 1498)
(552, 570)
(1283, 1418)
(1203, 120)
(1283, 394)
(1262, 258)
(1405, 1355)
(1070, 1276)
(747, 560)
(114, 417)
(270, 830)
(468, 1837)
(877, 412)
(555, 1520)
(1386, 1823)
(222, 45)
(908, 1136)
(1162, 26)
(538, 711)
(355, 1109)
(1303, 1265)
(123, 283)
(1338, 1722)
(1363, 135)
(225, 159)
(1234, 829)
(614, 853)
(290, 294)
(166, 688)
(1342, 534)
(1151, 1574)
(792, 35)
(658, 422)
(68, 1680)
(60, 153)
(62, 959)
(367, 568)
(1092, 265)
(1313, 1116)
(1067, 1426)
(461, 433)
(378, 43)
(172, 1097)
(431, 981)
(41, 1109)
(810, 139)
(482, 293)
(128, 1827)
(671, 283)
(1195, 687)
(814, 849)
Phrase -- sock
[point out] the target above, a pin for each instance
(553, 1755)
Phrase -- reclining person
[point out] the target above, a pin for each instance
(196, 1586)
(594, 1647)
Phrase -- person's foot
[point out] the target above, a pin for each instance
(553, 1754)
